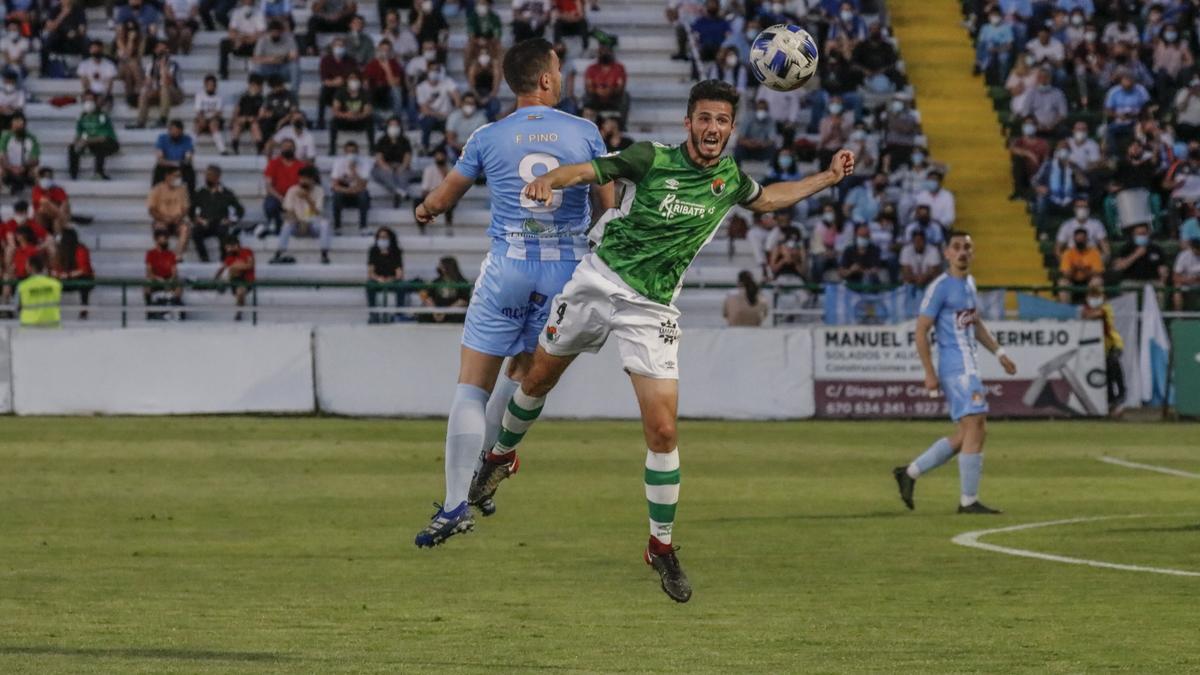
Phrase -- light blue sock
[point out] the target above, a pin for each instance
(938, 454)
(464, 438)
(496, 406)
(970, 469)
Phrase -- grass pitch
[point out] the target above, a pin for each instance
(285, 545)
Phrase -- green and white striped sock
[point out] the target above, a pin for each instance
(662, 492)
(522, 412)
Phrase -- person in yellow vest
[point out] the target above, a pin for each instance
(40, 296)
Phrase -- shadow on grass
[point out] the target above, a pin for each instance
(803, 516)
(1181, 528)
(140, 653)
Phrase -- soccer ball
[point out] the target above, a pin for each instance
(783, 57)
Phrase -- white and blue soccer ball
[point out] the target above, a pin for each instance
(783, 57)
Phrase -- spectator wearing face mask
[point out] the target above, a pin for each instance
(336, 65)
(168, 205)
(174, 150)
(860, 263)
(728, 68)
(20, 156)
(210, 114)
(1047, 105)
(429, 25)
(22, 218)
(1183, 177)
(215, 212)
(436, 97)
(181, 20)
(993, 45)
(757, 138)
(302, 208)
(96, 74)
(350, 176)
(846, 30)
(393, 162)
(12, 99)
(1078, 264)
(276, 54)
(900, 134)
(1141, 260)
(281, 173)
(163, 87)
(484, 31)
(386, 83)
(834, 130)
(1021, 80)
(246, 26)
(710, 30)
(529, 19)
(451, 289)
(278, 105)
(1186, 108)
(783, 168)
(295, 129)
(1122, 104)
(570, 18)
(330, 16)
(1186, 275)
(1057, 184)
(788, 260)
(1097, 308)
(1173, 64)
(863, 202)
(604, 85)
(1082, 219)
(1137, 169)
(462, 122)
(385, 265)
(435, 173)
(923, 221)
(404, 41)
(483, 79)
(920, 263)
(162, 273)
(764, 235)
(1027, 153)
(1084, 153)
(352, 111)
(51, 205)
(359, 45)
(94, 134)
(14, 46)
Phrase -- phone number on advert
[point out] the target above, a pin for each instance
(896, 408)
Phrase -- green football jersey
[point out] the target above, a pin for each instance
(670, 211)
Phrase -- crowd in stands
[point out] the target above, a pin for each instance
(1102, 104)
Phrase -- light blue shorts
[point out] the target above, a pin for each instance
(511, 302)
(965, 395)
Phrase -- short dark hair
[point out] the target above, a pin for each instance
(310, 172)
(1080, 230)
(713, 90)
(37, 263)
(524, 64)
(176, 124)
(21, 205)
(255, 78)
(954, 234)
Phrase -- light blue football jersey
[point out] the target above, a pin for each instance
(952, 303)
(513, 151)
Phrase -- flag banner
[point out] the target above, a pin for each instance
(1032, 308)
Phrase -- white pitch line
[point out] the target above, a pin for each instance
(971, 540)
(1148, 467)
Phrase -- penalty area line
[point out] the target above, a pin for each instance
(1147, 467)
(972, 540)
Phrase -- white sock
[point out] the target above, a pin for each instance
(967, 500)
(913, 471)
(464, 437)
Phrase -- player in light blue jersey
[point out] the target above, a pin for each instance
(950, 309)
(535, 248)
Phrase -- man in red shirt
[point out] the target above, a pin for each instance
(282, 173)
(604, 85)
(1026, 152)
(336, 65)
(8, 229)
(240, 264)
(51, 206)
(384, 79)
(570, 19)
(162, 268)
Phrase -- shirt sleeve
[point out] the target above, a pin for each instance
(748, 189)
(632, 163)
(470, 163)
(934, 298)
(596, 143)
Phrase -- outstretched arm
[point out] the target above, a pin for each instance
(443, 198)
(786, 194)
(985, 338)
(566, 176)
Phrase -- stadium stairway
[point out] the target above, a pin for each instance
(963, 132)
(119, 235)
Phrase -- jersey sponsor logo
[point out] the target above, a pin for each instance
(668, 332)
(514, 312)
(717, 187)
(672, 206)
(964, 318)
(671, 184)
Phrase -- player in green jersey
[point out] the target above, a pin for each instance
(675, 199)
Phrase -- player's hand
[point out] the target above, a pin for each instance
(1009, 366)
(422, 214)
(539, 190)
(931, 383)
(842, 165)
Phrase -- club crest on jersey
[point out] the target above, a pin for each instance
(717, 186)
(668, 332)
(551, 333)
(964, 318)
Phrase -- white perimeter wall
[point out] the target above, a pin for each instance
(360, 370)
